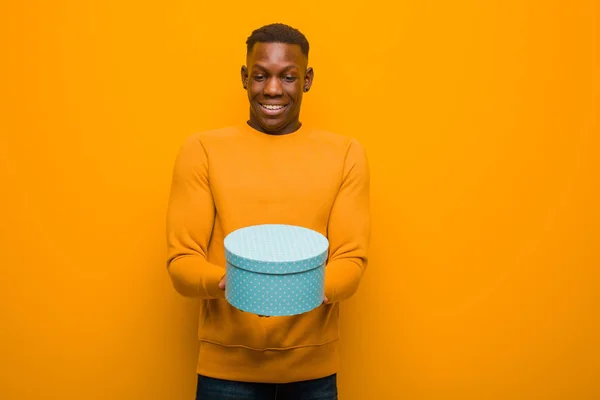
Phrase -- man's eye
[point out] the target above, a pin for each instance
(258, 77)
(289, 78)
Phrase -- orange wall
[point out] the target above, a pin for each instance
(480, 119)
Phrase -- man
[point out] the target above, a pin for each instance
(269, 169)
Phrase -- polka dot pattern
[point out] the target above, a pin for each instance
(275, 270)
(276, 249)
(275, 295)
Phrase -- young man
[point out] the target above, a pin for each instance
(269, 169)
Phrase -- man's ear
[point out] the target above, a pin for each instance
(244, 73)
(308, 79)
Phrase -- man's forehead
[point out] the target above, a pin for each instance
(277, 52)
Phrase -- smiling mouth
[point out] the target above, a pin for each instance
(273, 107)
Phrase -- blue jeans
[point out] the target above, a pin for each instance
(217, 389)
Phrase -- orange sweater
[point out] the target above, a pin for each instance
(234, 177)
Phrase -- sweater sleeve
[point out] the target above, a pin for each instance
(190, 219)
(349, 228)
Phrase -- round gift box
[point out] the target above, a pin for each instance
(275, 269)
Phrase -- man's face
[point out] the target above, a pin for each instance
(275, 78)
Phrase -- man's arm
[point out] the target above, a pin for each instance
(190, 219)
(349, 228)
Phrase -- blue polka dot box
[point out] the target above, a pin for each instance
(275, 269)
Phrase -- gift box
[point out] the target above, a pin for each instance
(275, 269)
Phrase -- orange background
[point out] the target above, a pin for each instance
(481, 124)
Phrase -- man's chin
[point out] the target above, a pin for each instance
(273, 129)
(272, 126)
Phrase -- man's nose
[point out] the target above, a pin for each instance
(273, 87)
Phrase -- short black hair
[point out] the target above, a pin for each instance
(278, 33)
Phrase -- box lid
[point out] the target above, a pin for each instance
(276, 248)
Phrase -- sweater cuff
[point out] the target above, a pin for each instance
(211, 283)
(342, 278)
(194, 277)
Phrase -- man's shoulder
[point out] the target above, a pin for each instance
(336, 139)
(214, 134)
(201, 141)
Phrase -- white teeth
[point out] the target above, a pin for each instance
(272, 107)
